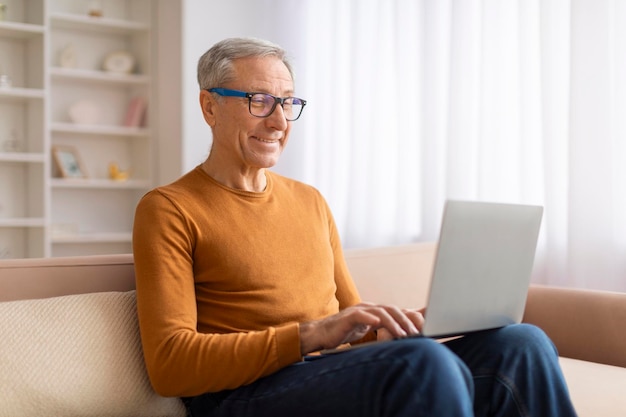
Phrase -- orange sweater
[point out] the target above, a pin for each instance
(225, 276)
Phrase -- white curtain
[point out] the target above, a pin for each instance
(412, 102)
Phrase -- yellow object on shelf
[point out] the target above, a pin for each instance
(115, 173)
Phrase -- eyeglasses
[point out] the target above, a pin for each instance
(263, 105)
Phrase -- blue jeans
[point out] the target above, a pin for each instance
(513, 371)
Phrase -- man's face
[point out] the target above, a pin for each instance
(242, 141)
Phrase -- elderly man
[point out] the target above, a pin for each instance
(241, 281)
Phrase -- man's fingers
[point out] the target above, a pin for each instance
(354, 322)
(416, 317)
(400, 318)
(393, 319)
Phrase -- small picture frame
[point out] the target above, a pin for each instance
(68, 162)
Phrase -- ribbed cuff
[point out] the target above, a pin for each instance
(288, 344)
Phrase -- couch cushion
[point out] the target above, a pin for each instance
(597, 390)
(76, 355)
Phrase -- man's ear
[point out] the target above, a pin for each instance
(208, 106)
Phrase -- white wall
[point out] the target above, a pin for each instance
(167, 156)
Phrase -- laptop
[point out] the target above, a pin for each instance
(482, 268)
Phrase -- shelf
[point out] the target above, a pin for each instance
(99, 76)
(22, 222)
(43, 215)
(100, 130)
(18, 30)
(21, 95)
(99, 183)
(91, 237)
(22, 157)
(96, 24)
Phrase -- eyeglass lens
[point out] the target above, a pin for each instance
(262, 105)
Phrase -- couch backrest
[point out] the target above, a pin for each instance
(583, 324)
(397, 275)
(373, 270)
(50, 277)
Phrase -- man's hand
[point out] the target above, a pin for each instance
(355, 322)
(416, 316)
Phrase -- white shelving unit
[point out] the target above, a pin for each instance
(58, 94)
(23, 151)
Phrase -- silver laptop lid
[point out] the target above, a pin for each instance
(483, 266)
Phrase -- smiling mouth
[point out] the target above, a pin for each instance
(266, 140)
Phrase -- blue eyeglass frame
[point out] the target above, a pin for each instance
(225, 92)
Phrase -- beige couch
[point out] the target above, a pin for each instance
(70, 345)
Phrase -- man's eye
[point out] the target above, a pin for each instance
(261, 100)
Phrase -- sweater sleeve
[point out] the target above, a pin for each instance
(347, 292)
(181, 361)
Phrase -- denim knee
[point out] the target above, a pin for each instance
(528, 338)
(516, 370)
(428, 356)
(428, 374)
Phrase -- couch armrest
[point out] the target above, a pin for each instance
(583, 324)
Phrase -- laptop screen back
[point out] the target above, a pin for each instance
(483, 266)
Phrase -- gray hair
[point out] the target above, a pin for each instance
(215, 66)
